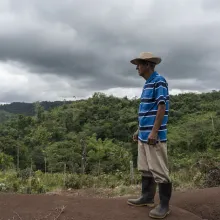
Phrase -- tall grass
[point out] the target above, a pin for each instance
(186, 172)
(119, 183)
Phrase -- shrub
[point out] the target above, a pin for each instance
(212, 178)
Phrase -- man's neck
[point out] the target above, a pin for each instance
(147, 75)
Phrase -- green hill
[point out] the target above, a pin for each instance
(103, 126)
(29, 108)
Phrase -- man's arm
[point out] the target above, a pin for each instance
(161, 94)
(159, 117)
(152, 138)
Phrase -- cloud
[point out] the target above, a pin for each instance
(78, 47)
(212, 5)
(18, 85)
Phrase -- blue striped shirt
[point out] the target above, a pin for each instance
(155, 91)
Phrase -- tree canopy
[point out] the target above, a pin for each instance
(96, 134)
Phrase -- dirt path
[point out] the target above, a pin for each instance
(194, 205)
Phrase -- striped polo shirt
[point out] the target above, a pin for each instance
(155, 91)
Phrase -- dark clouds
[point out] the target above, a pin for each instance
(93, 43)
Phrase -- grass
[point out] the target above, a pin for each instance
(186, 172)
(110, 185)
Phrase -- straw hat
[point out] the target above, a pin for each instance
(146, 56)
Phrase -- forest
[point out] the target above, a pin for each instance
(93, 138)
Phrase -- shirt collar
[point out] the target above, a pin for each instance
(153, 75)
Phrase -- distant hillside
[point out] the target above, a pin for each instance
(28, 109)
(4, 116)
(180, 104)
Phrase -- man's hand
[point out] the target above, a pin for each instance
(135, 136)
(152, 138)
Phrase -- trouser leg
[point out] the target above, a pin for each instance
(148, 184)
(158, 162)
(158, 165)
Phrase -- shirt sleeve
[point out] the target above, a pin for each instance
(161, 91)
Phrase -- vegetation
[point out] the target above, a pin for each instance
(4, 116)
(29, 108)
(88, 143)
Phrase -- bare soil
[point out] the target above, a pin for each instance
(192, 205)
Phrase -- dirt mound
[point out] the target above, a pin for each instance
(192, 205)
(202, 202)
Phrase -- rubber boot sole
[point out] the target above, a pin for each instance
(160, 217)
(151, 205)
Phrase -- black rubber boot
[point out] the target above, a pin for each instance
(162, 210)
(148, 193)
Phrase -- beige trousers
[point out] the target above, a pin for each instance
(153, 161)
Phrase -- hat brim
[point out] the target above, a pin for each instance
(155, 60)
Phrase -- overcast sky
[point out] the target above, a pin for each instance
(51, 50)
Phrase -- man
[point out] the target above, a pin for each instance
(152, 137)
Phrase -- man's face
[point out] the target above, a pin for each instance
(142, 68)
